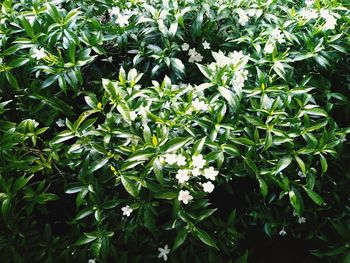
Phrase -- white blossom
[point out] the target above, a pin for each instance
(330, 20)
(210, 173)
(38, 53)
(196, 172)
(282, 232)
(115, 11)
(277, 35)
(109, 59)
(301, 220)
(60, 123)
(171, 158)
(133, 115)
(206, 45)
(185, 46)
(127, 210)
(269, 47)
(199, 105)
(92, 261)
(180, 160)
(182, 176)
(208, 187)
(309, 2)
(238, 80)
(185, 196)
(198, 57)
(192, 52)
(198, 161)
(308, 14)
(243, 18)
(163, 252)
(122, 20)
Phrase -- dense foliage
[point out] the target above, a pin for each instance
(179, 130)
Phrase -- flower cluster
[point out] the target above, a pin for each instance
(194, 55)
(245, 15)
(194, 169)
(330, 20)
(121, 18)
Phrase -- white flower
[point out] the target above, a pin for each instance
(210, 173)
(309, 2)
(236, 56)
(238, 80)
(282, 232)
(199, 105)
(243, 18)
(206, 45)
(122, 20)
(133, 115)
(192, 52)
(163, 252)
(196, 172)
(185, 46)
(198, 57)
(269, 47)
(208, 187)
(251, 12)
(60, 122)
(143, 111)
(91, 261)
(171, 158)
(39, 53)
(109, 59)
(277, 35)
(301, 220)
(127, 210)
(115, 11)
(185, 196)
(180, 160)
(221, 59)
(182, 176)
(308, 14)
(198, 161)
(330, 23)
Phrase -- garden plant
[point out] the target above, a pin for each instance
(175, 130)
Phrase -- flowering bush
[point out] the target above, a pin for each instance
(147, 130)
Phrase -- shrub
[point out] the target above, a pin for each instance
(212, 131)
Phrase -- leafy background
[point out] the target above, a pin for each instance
(279, 142)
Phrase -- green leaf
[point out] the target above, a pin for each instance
(158, 170)
(20, 183)
(282, 164)
(243, 259)
(198, 146)
(229, 97)
(28, 28)
(294, 198)
(231, 149)
(314, 196)
(81, 118)
(205, 238)
(205, 71)
(324, 164)
(129, 186)
(174, 144)
(263, 186)
(180, 238)
(98, 164)
(124, 110)
(84, 213)
(84, 240)
(12, 80)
